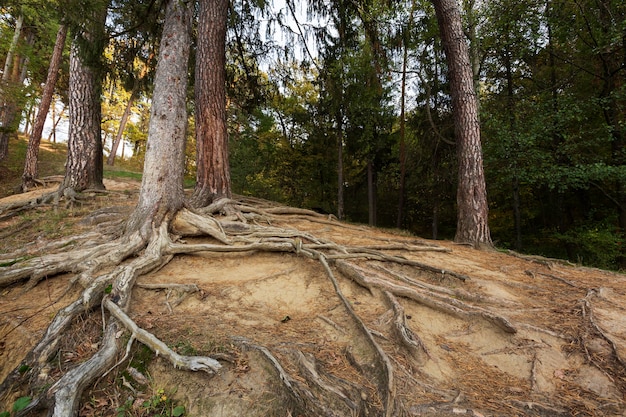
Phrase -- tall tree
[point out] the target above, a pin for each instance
(11, 84)
(213, 171)
(30, 165)
(161, 194)
(84, 167)
(473, 210)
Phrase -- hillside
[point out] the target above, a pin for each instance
(433, 327)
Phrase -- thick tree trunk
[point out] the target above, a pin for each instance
(161, 194)
(84, 168)
(213, 171)
(32, 153)
(472, 221)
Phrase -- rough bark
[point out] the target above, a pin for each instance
(472, 221)
(32, 153)
(84, 166)
(161, 194)
(213, 172)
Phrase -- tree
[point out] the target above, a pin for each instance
(473, 210)
(84, 167)
(377, 347)
(161, 195)
(213, 170)
(30, 166)
(12, 83)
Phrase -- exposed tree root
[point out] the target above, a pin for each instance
(448, 305)
(107, 269)
(588, 313)
(191, 363)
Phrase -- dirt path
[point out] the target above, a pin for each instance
(564, 355)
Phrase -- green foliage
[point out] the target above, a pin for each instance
(596, 244)
(19, 405)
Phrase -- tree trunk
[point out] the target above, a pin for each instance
(7, 112)
(120, 130)
(371, 193)
(19, 23)
(472, 221)
(53, 132)
(340, 180)
(32, 153)
(213, 171)
(401, 190)
(161, 194)
(84, 168)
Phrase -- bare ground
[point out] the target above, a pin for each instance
(455, 331)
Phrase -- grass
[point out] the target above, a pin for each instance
(52, 157)
(51, 162)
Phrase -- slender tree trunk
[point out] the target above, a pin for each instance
(56, 120)
(19, 23)
(472, 221)
(340, 176)
(161, 194)
(120, 130)
(371, 193)
(213, 170)
(7, 111)
(402, 191)
(32, 152)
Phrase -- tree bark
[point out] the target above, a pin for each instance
(161, 194)
(473, 210)
(32, 153)
(213, 171)
(7, 112)
(83, 168)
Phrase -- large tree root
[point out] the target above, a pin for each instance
(108, 270)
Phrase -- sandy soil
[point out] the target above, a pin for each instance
(566, 356)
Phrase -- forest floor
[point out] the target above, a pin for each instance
(563, 351)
